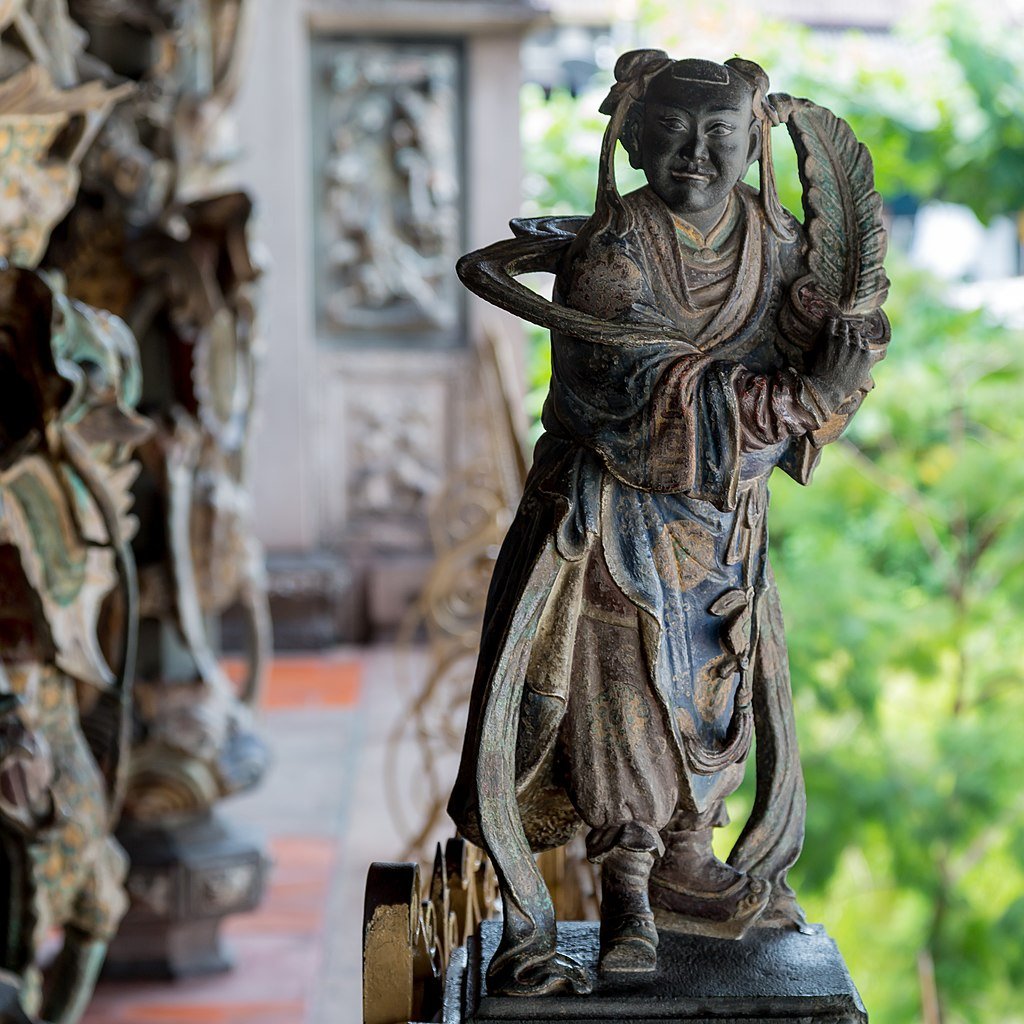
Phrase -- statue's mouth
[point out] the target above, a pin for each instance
(691, 176)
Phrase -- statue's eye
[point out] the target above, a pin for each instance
(673, 124)
(721, 128)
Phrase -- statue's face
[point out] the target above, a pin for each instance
(698, 139)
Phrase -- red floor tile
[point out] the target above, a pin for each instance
(239, 1013)
(296, 901)
(297, 682)
(278, 950)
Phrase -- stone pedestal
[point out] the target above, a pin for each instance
(184, 880)
(769, 977)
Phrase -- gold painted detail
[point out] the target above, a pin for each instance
(684, 554)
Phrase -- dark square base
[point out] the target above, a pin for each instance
(769, 976)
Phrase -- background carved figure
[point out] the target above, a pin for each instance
(391, 231)
(158, 236)
(633, 641)
(68, 622)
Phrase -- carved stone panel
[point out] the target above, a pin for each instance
(387, 222)
(393, 413)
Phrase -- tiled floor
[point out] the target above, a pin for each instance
(324, 813)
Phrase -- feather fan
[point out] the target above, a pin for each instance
(842, 210)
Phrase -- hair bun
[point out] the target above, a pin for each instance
(632, 64)
(630, 68)
(754, 73)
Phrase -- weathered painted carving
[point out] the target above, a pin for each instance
(69, 377)
(389, 230)
(181, 273)
(48, 120)
(158, 238)
(633, 642)
(199, 557)
(70, 381)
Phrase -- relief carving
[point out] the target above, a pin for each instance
(389, 188)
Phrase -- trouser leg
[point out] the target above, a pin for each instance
(618, 765)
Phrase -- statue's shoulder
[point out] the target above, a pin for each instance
(604, 273)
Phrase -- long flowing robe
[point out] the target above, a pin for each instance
(657, 454)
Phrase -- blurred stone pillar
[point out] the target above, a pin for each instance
(159, 235)
(384, 145)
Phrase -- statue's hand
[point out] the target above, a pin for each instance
(842, 360)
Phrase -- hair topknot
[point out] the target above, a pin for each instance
(633, 63)
(631, 69)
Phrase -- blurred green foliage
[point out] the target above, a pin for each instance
(902, 566)
(902, 574)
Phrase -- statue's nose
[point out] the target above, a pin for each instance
(695, 147)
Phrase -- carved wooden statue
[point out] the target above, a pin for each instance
(182, 275)
(69, 377)
(633, 642)
(193, 313)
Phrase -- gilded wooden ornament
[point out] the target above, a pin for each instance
(412, 926)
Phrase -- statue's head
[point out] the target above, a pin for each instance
(697, 135)
(694, 127)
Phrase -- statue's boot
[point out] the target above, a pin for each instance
(629, 938)
(691, 890)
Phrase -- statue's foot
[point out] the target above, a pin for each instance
(691, 890)
(629, 944)
(554, 974)
(629, 939)
(725, 914)
(784, 912)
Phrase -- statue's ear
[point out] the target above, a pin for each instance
(754, 147)
(632, 136)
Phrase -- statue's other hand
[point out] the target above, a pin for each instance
(842, 360)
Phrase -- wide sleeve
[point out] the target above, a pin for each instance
(695, 431)
(774, 407)
(786, 402)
